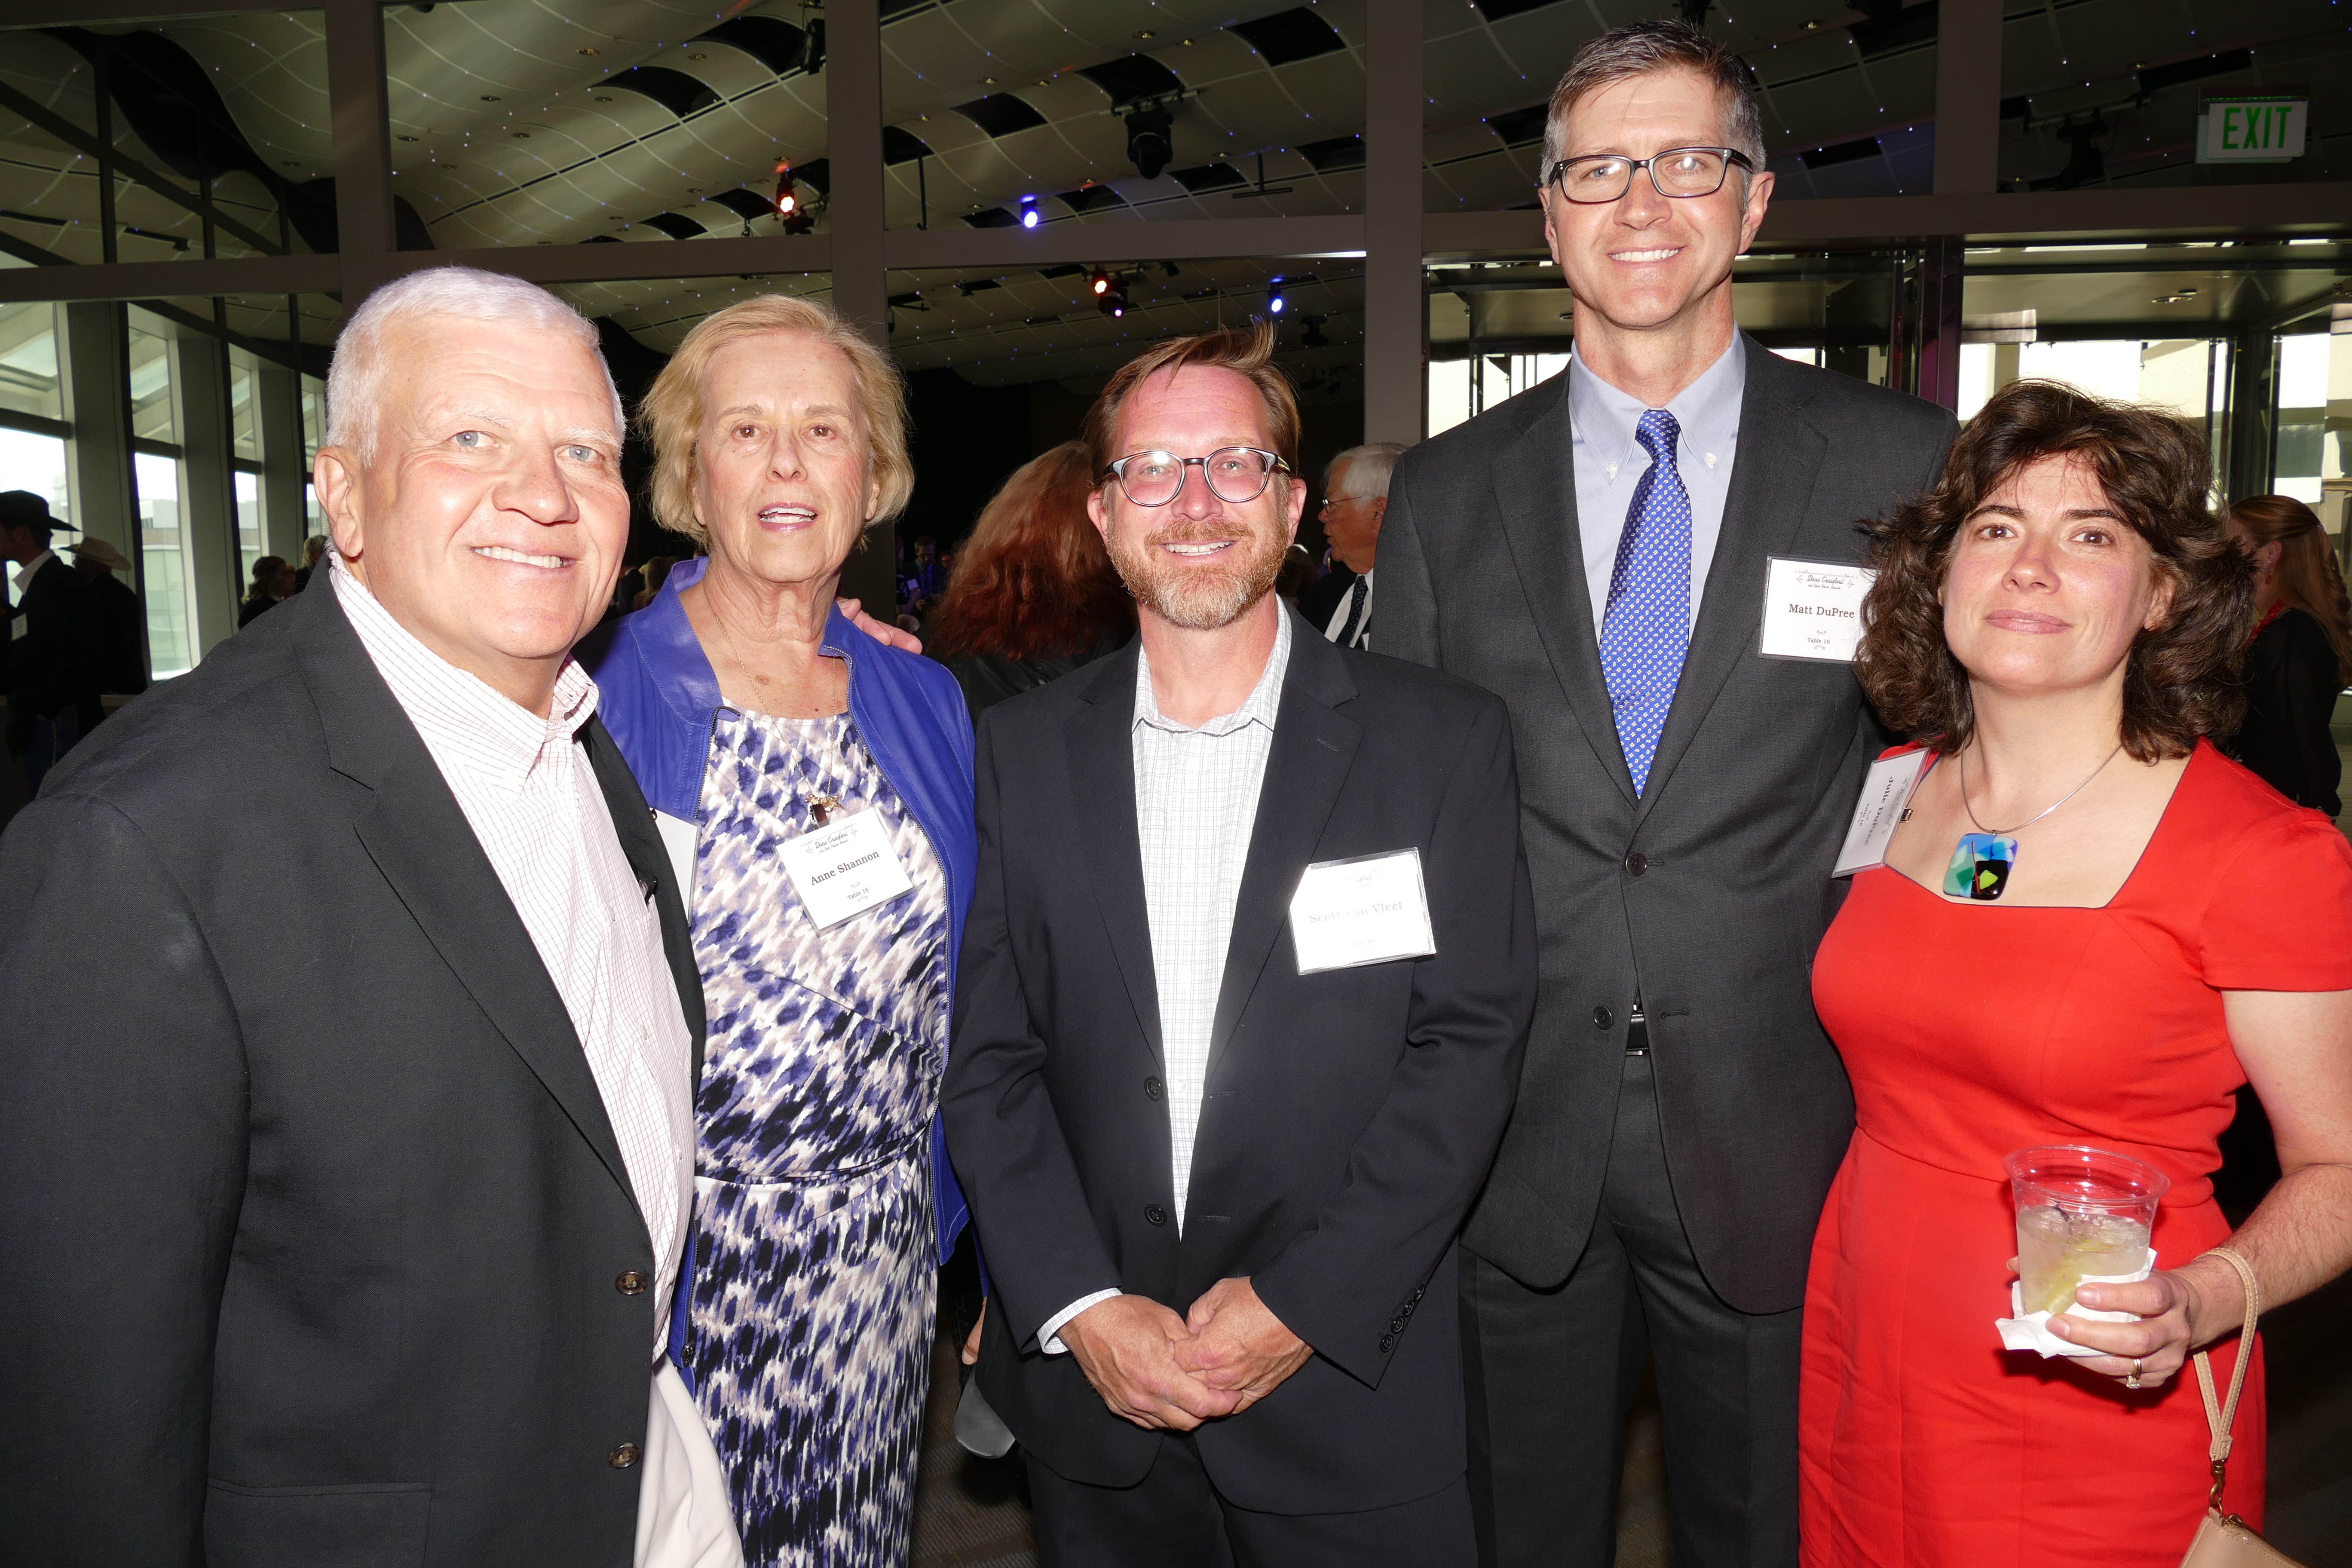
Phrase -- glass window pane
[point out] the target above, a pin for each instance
(2306, 452)
(153, 417)
(243, 411)
(28, 361)
(171, 621)
(35, 463)
(247, 487)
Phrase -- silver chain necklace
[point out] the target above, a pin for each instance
(2005, 832)
(1982, 860)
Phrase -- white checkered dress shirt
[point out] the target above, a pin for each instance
(531, 798)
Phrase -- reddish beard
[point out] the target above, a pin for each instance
(1195, 596)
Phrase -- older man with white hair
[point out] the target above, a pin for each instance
(343, 1216)
(1355, 499)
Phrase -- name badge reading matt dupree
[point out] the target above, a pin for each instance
(845, 869)
(1813, 609)
(1369, 910)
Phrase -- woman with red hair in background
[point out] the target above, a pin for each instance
(2301, 655)
(1035, 594)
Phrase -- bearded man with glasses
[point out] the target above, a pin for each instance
(1597, 551)
(1250, 960)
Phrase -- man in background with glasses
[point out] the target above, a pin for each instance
(1249, 963)
(1596, 550)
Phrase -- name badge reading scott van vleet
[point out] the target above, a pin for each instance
(845, 869)
(1369, 910)
(1886, 792)
(1813, 609)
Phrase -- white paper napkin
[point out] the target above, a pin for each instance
(2025, 1332)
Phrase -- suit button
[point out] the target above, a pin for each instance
(1603, 1018)
(1636, 863)
(630, 1283)
(622, 1458)
(1153, 1088)
(1387, 1345)
(1155, 1214)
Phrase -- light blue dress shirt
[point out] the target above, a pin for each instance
(1609, 463)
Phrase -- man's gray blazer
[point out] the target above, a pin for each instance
(1705, 896)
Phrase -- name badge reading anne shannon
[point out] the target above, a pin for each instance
(845, 869)
(1813, 609)
(1371, 908)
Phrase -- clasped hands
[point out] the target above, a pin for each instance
(1164, 1371)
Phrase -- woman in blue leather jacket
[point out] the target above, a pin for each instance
(814, 787)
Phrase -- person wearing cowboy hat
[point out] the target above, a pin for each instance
(52, 675)
(120, 619)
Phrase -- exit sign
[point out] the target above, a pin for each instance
(2251, 127)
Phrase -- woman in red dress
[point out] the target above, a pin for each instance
(2059, 618)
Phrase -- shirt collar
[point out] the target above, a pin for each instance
(1259, 708)
(25, 573)
(500, 736)
(1707, 410)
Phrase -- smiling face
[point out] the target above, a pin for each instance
(1645, 261)
(2047, 586)
(492, 517)
(784, 481)
(1199, 562)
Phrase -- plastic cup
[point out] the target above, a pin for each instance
(2081, 1212)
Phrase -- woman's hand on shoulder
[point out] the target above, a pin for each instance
(904, 641)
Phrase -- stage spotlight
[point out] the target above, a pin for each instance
(1148, 140)
(1275, 304)
(787, 203)
(1109, 292)
(1028, 212)
(1099, 282)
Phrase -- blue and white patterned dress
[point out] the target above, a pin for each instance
(811, 1319)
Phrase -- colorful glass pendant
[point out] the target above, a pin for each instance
(1980, 866)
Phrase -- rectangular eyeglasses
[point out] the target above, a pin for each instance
(1236, 474)
(1681, 172)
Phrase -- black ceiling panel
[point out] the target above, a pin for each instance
(673, 90)
(1131, 78)
(1297, 33)
(777, 45)
(1336, 152)
(745, 205)
(1518, 127)
(675, 225)
(994, 217)
(1830, 157)
(898, 147)
(1002, 114)
(1091, 198)
(817, 172)
(1898, 30)
(2161, 77)
(1208, 178)
(1067, 269)
(1495, 10)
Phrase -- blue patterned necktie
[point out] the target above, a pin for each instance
(1645, 630)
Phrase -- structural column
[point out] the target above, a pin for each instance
(852, 97)
(98, 406)
(364, 235)
(1396, 376)
(278, 391)
(208, 528)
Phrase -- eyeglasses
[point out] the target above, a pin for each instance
(1234, 474)
(1681, 172)
(1332, 501)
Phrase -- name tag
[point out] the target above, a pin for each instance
(1813, 609)
(845, 869)
(1886, 792)
(1369, 910)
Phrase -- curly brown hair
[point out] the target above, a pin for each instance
(1034, 581)
(2182, 676)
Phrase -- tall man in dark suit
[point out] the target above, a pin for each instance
(341, 1218)
(1250, 960)
(1596, 550)
(52, 658)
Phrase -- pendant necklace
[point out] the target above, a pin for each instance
(1982, 860)
(820, 807)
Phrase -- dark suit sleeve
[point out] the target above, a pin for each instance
(1408, 595)
(122, 1156)
(1347, 1285)
(1042, 1247)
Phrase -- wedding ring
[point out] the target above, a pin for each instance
(2133, 1381)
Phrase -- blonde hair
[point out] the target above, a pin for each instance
(671, 413)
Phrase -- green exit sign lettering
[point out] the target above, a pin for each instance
(2252, 129)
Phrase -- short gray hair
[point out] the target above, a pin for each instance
(1638, 48)
(1369, 468)
(355, 378)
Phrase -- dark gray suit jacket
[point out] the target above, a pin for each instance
(1708, 894)
(321, 1246)
(1349, 1116)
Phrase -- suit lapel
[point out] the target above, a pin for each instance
(1314, 746)
(1102, 781)
(1535, 494)
(420, 840)
(1773, 472)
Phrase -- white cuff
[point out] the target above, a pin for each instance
(1049, 1336)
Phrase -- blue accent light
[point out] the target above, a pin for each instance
(1028, 212)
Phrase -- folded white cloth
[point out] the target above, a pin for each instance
(684, 1516)
(2025, 1331)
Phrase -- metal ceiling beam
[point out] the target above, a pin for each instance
(364, 233)
(637, 261)
(1061, 244)
(89, 146)
(95, 13)
(1395, 325)
(1967, 99)
(172, 280)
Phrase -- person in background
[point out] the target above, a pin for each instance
(2301, 655)
(925, 581)
(1355, 499)
(52, 664)
(273, 584)
(770, 730)
(314, 550)
(654, 572)
(1596, 550)
(122, 623)
(1297, 573)
(2057, 625)
(1037, 595)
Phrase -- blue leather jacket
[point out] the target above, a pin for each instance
(656, 693)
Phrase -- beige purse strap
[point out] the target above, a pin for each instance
(2219, 1416)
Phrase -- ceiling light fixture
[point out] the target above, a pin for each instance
(1028, 212)
(582, 49)
(1149, 141)
(1274, 302)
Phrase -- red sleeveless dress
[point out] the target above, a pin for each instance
(1973, 1030)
